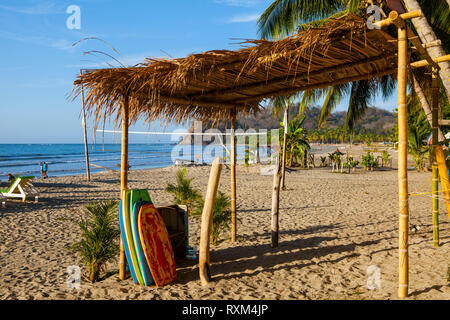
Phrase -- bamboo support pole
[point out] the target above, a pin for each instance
(425, 63)
(283, 163)
(233, 176)
(435, 172)
(276, 206)
(207, 213)
(86, 152)
(427, 35)
(123, 178)
(402, 163)
(443, 174)
(404, 16)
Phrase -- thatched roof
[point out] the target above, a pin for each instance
(209, 85)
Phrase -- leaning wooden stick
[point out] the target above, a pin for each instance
(213, 183)
(275, 205)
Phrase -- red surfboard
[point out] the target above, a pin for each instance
(156, 245)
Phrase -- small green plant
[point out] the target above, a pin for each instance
(336, 160)
(221, 215)
(246, 157)
(350, 163)
(385, 158)
(99, 236)
(323, 161)
(183, 192)
(368, 161)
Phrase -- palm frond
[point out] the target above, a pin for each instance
(282, 17)
(332, 99)
(362, 93)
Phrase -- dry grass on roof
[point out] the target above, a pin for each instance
(209, 85)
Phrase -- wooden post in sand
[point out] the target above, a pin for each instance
(403, 279)
(86, 152)
(207, 213)
(124, 177)
(435, 172)
(276, 206)
(283, 164)
(233, 176)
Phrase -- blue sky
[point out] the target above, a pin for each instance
(39, 63)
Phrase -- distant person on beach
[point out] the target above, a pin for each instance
(11, 178)
(44, 169)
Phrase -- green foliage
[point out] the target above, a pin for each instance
(99, 235)
(368, 161)
(416, 147)
(296, 144)
(350, 163)
(286, 17)
(221, 215)
(183, 192)
(246, 157)
(385, 157)
(323, 161)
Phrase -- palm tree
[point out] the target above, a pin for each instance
(99, 237)
(285, 17)
(416, 147)
(183, 192)
(428, 35)
(221, 215)
(295, 144)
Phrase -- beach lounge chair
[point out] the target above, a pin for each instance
(21, 188)
(3, 200)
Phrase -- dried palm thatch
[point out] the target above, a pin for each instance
(210, 85)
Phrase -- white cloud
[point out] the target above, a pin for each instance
(243, 18)
(60, 44)
(40, 9)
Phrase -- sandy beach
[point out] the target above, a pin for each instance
(333, 227)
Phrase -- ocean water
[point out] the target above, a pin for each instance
(69, 159)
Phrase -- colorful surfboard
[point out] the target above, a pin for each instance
(156, 245)
(138, 195)
(129, 238)
(143, 265)
(127, 251)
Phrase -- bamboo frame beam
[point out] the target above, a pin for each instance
(207, 213)
(294, 77)
(404, 16)
(400, 23)
(424, 63)
(403, 164)
(295, 89)
(197, 102)
(233, 176)
(435, 172)
(124, 177)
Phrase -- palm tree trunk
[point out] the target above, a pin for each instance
(425, 105)
(427, 35)
(283, 164)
